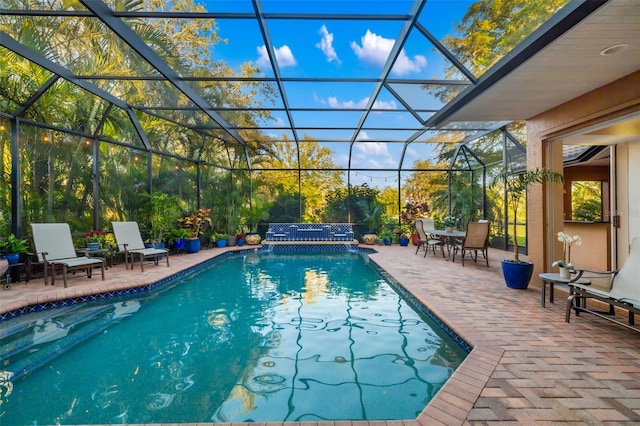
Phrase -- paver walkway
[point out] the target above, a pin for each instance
(528, 366)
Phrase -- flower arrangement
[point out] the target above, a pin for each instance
(567, 241)
(94, 237)
(449, 221)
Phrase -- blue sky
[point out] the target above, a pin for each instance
(349, 49)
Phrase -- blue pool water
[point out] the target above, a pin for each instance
(255, 337)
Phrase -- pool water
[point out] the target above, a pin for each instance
(253, 338)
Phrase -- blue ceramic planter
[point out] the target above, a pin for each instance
(221, 243)
(192, 245)
(517, 274)
(12, 258)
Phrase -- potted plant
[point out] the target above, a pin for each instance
(220, 238)
(177, 237)
(409, 214)
(565, 266)
(449, 222)
(517, 273)
(93, 240)
(372, 212)
(195, 224)
(403, 237)
(232, 216)
(259, 212)
(12, 248)
(386, 236)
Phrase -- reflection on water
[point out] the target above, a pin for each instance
(254, 338)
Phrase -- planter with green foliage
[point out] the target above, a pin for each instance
(386, 236)
(177, 237)
(517, 273)
(11, 248)
(372, 212)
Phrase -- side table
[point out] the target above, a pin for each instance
(551, 279)
(7, 275)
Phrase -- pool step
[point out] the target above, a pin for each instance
(33, 347)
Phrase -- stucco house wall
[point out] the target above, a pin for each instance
(545, 212)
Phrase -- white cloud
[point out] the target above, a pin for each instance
(333, 102)
(284, 57)
(362, 136)
(373, 154)
(404, 65)
(378, 149)
(375, 50)
(384, 105)
(326, 45)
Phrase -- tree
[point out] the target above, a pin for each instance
(492, 28)
(317, 177)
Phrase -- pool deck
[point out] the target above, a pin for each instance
(527, 366)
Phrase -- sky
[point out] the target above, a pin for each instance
(325, 48)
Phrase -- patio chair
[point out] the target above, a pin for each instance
(475, 240)
(54, 248)
(426, 239)
(130, 242)
(623, 292)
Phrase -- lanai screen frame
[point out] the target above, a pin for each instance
(437, 120)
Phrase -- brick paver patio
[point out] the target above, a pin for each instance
(528, 365)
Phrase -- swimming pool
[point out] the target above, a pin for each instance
(255, 337)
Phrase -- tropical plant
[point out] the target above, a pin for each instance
(516, 185)
(177, 234)
(372, 212)
(161, 212)
(413, 211)
(219, 236)
(386, 233)
(231, 210)
(13, 245)
(259, 212)
(196, 221)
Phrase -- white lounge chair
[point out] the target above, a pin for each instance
(54, 248)
(130, 242)
(624, 291)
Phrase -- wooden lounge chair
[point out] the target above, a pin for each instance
(624, 291)
(426, 239)
(476, 240)
(54, 248)
(130, 242)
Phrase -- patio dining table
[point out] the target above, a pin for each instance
(451, 237)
